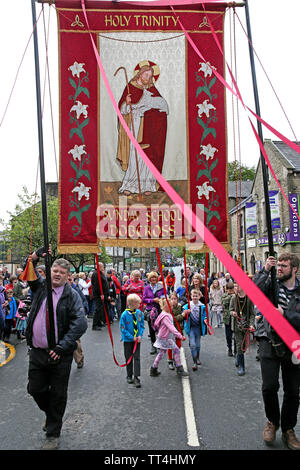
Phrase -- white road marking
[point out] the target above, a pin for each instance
(192, 435)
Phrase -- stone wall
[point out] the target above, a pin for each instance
(290, 182)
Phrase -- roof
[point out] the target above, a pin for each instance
(234, 188)
(290, 155)
(240, 206)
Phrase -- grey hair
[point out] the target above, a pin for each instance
(63, 263)
(136, 271)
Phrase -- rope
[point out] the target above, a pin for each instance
(128, 40)
(165, 290)
(18, 70)
(107, 319)
(210, 330)
(246, 340)
(46, 36)
(237, 163)
(234, 139)
(238, 119)
(43, 107)
(268, 78)
(186, 282)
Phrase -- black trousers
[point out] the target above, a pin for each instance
(151, 332)
(99, 318)
(228, 336)
(48, 385)
(270, 369)
(134, 367)
(9, 323)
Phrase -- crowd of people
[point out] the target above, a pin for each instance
(174, 311)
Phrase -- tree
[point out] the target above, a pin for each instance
(191, 257)
(26, 222)
(237, 171)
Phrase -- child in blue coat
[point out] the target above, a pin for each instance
(195, 325)
(10, 314)
(132, 329)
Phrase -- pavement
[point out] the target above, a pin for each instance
(105, 413)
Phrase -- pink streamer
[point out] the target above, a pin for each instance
(262, 148)
(288, 334)
(238, 95)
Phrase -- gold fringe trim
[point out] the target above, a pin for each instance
(73, 249)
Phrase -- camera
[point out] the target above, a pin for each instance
(25, 309)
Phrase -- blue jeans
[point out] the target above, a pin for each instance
(111, 312)
(195, 338)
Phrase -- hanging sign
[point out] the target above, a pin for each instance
(251, 223)
(175, 108)
(294, 234)
(274, 206)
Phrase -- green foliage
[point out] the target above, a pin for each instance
(18, 230)
(243, 172)
(25, 222)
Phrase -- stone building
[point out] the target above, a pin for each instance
(252, 247)
(237, 193)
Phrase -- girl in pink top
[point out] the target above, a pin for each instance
(166, 339)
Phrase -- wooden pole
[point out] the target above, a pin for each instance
(42, 179)
(262, 159)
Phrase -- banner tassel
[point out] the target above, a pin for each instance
(29, 273)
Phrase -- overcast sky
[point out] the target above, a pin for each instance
(275, 31)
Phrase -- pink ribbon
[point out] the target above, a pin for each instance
(238, 95)
(288, 334)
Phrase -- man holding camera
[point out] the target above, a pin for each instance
(49, 368)
(274, 354)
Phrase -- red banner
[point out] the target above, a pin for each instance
(175, 108)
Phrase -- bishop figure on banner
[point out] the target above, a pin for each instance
(146, 110)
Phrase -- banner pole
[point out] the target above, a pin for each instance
(262, 160)
(42, 179)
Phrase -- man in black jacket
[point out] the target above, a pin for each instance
(49, 368)
(274, 354)
(101, 300)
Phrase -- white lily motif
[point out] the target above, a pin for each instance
(204, 108)
(77, 151)
(76, 69)
(204, 190)
(208, 151)
(79, 108)
(206, 68)
(82, 190)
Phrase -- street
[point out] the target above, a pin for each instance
(105, 413)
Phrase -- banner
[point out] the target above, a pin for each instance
(251, 223)
(294, 235)
(274, 206)
(175, 108)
